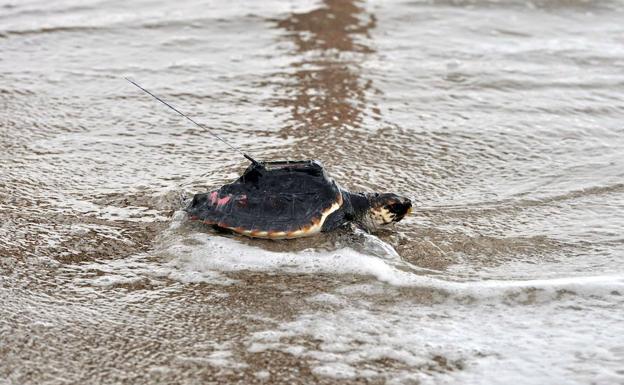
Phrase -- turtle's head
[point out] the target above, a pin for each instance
(386, 209)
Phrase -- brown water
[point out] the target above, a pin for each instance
(501, 120)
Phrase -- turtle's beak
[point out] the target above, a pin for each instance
(401, 209)
(410, 210)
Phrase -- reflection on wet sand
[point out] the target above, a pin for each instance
(334, 118)
(324, 88)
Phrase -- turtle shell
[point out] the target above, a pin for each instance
(271, 200)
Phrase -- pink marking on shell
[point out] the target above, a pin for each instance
(223, 200)
(213, 197)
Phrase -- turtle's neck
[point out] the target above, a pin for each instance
(359, 205)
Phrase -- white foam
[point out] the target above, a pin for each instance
(114, 279)
(262, 375)
(565, 342)
(335, 370)
(204, 256)
(328, 299)
(224, 359)
(226, 254)
(476, 332)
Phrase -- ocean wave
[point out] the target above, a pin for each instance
(192, 253)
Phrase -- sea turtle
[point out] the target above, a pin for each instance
(292, 199)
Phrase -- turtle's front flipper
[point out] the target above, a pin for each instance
(334, 220)
(342, 216)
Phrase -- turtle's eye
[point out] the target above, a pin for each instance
(396, 208)
(390, 205)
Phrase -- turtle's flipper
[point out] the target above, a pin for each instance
(334, 221)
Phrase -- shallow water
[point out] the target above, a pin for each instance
(501, 120)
